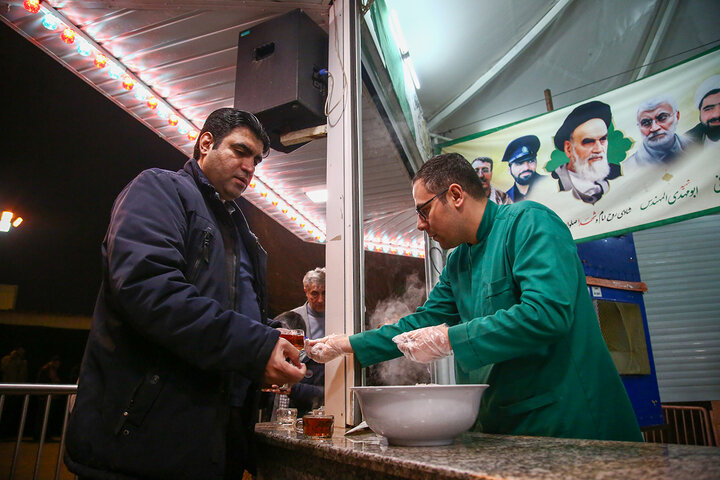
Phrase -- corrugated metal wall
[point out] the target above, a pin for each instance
(680, 263)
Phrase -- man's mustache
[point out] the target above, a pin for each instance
(653, 136)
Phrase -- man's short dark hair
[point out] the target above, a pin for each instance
(443, 170)
(484, 160)
(224, 120)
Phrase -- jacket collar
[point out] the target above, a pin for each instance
(193, 169)
(486, 224)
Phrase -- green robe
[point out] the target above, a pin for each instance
(521, 319)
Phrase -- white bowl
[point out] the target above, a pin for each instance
(420, 415)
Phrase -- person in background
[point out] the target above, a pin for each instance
(48, 373)
(513, 306)
(583, 137)
(483, 166)
(521, 155)
(180, 345)
(308, 393)
(313, 311)
(707, 99)
(14, 367)
(657, 120)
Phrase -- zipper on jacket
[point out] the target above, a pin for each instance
(204, 253)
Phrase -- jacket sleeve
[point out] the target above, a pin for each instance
(546, 273)
(373, 346)
(145, 263)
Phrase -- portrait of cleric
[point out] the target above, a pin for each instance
(707, 100)
(521, 156)
(657, 120)
(583, 137)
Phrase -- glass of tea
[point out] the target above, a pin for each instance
(318, 424)
(296, 337)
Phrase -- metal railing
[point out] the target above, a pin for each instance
(45, 393)
(685, 425)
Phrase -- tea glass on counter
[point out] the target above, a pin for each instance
(286, 416)
(318, 424)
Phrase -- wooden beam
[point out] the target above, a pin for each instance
(617, 284)
(304, 135)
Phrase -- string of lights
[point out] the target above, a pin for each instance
(97, 57)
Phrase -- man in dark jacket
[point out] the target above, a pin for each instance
(179, 345)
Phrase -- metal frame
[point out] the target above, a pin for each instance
(344, 251)
(49, 391)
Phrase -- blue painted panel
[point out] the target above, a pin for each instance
(642, 389)
(612, 257)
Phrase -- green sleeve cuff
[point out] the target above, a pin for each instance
(371, 347)
(465, 355)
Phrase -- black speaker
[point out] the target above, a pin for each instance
(278, 75)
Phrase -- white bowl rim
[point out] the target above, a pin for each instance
(429, 385)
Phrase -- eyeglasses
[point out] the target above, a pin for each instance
(419, 209)
(661, 118)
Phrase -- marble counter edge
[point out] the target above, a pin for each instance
(273, 435)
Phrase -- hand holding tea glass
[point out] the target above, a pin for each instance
(284, 366)
(297, 339)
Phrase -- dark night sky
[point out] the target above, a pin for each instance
(67, 153)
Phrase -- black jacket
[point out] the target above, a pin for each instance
(698, 133)
(153, 394)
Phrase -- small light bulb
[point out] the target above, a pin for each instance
(32, 6)
(68, 36)
(50, 22)
(127, 82)
(100, 60)
(84, 48)
(115, 72)
(141, 93)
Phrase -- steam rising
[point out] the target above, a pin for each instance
(399, 371)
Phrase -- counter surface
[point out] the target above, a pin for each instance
(477, 455)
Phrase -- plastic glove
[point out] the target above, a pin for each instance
(425, 345)
(328, 348)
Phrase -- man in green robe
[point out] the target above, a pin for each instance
(513, 306)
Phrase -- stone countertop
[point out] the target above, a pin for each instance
(483, 456)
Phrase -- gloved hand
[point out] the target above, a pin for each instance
(322, 350)
(425, 345)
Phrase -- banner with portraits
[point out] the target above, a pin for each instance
(643, 155)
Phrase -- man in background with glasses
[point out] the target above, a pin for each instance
(657, 120)
(513, 306)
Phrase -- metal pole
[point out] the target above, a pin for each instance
(48, 402)
(344, 250)
(19, 437)
(61, 449)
